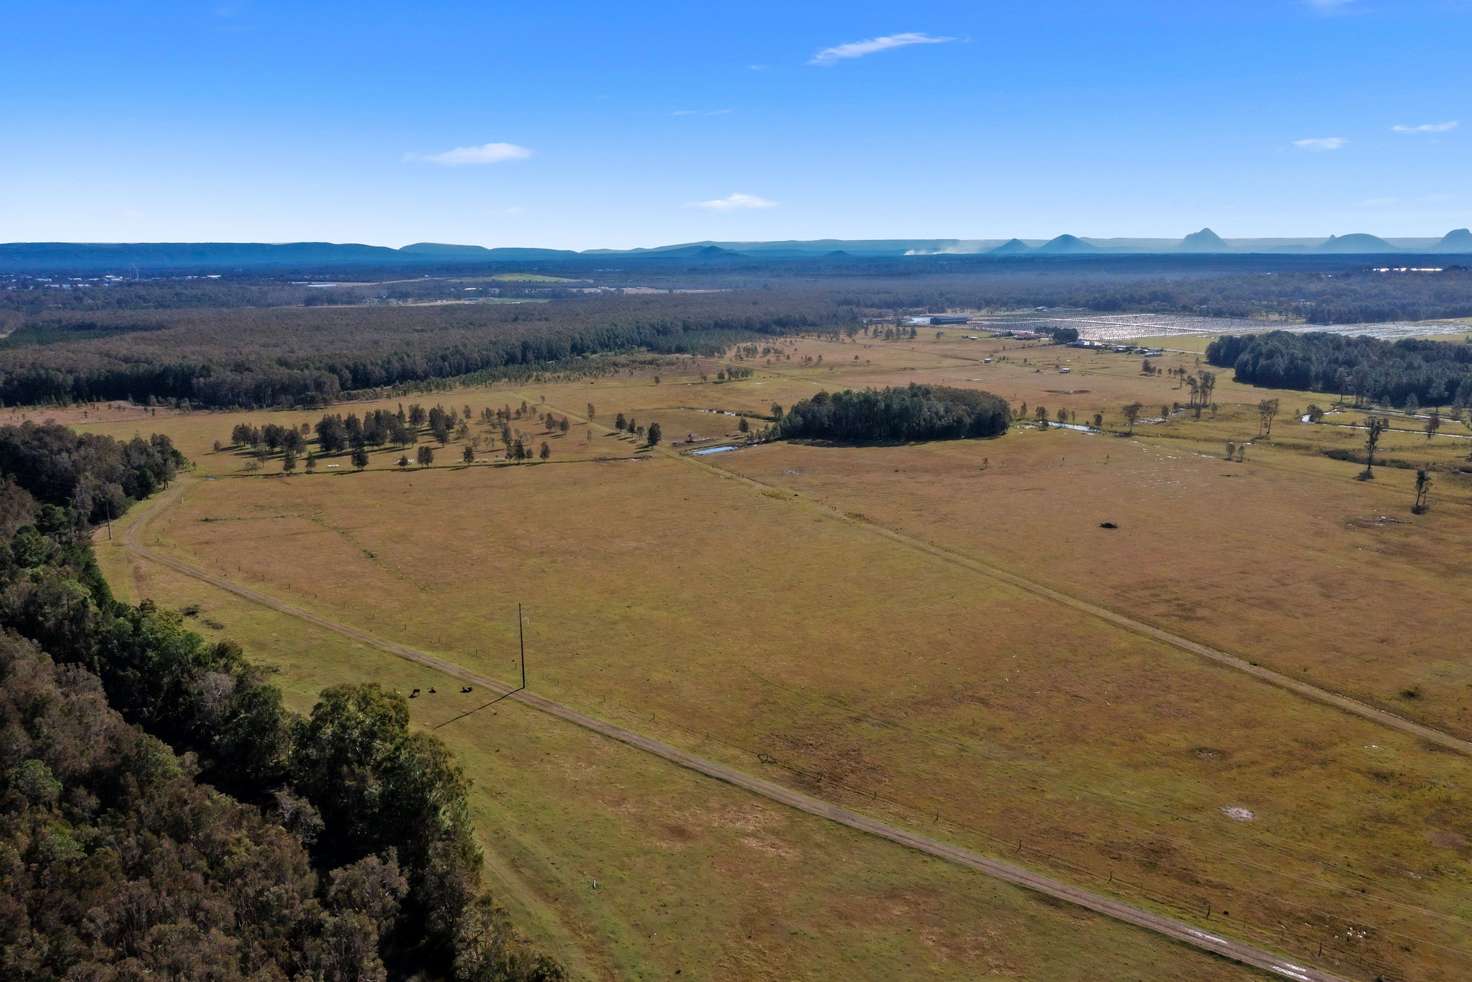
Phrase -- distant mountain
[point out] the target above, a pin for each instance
(120, 256)
(1203, 241)
(329, 258)
(1457, 240)
(439, 249)
(1012, 247)
(1359, 242)
(693, 252)
(1066, 245)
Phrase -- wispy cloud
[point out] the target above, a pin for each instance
(702, 112)
(734, 202)
(486, 153)
(858, 49)
(1446, 127)
(1319, 144)
(1330, 6)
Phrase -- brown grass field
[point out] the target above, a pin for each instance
(827, 617)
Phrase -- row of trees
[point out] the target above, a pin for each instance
(914, 412)
(1432, 373)
(344, 850)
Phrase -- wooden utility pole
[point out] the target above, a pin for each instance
(521, 634)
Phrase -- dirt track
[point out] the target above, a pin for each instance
(1226, 659)
(1168, 927)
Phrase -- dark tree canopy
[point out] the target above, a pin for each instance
(915, 412)
(333, 847)
(1433, 373)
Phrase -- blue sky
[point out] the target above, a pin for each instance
(622, 124)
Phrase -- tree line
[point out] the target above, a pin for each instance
(256, 358)
(1430, 373)
(163, 813)
(914, 412)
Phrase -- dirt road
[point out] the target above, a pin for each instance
(1168, 927)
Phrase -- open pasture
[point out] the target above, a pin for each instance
(830, 622)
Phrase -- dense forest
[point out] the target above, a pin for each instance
(1434, 373)
(263, 343)
(312, 356)
(162, 813)
(892, 415)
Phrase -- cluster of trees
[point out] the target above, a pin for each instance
(914, 412)
(298, 356)
(334, 846)
(96, 477)
(402, 427)
(1322, 290)
(1431, 373)
(627, 424)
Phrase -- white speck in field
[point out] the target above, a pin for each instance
(1237, 813)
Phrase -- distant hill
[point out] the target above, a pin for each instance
(693, 252)
(1457, 240)
(439, 249)
(1203, 241)
(1358, 242)
(119, 256)
(1012, 247)
(312, 258)
(1066, 245)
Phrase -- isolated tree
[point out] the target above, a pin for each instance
(1098, 421)
(425, 456)
(592, 413)
(1433, 423)
(619, 423)
(1267, 410)
(656, 434)
(743, 425)
(288, 461)
(1205, 385)
(1423, 491)
(1314, 412)
(545, 452)
(360, 458)
(311, 462)
(1041, 415)
(1231, 449)
(1132, 413)
(469, 455)
(403, 460)
(564, 425)
(1374, 427)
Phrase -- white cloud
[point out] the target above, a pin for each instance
(1319, 144)
(1446, 127)
(858, 49)
(702, 112)
(486, 153)
(734, 202)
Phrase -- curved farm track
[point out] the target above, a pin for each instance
(1167, 927)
